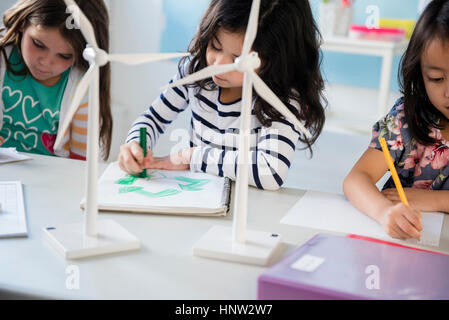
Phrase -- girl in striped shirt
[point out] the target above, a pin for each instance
(287, 43)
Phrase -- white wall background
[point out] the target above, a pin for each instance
(136, 27)
(5, 5)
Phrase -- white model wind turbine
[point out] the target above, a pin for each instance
(238, 244)
(94, 237)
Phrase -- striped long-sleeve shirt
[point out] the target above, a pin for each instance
(214, 132)
(75, 139)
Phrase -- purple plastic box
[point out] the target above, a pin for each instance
(338, 267)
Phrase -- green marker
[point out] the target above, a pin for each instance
(143, 145)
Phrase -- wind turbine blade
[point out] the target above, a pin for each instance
(265, 93)
(251, 29)
(136, 59)
(79, 94)
(82, 22)
(203, 74)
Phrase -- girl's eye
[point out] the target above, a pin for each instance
(65, 57)
(37, 44)
(213, 46)
(435, 79)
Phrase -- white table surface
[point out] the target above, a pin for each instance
(164, 267)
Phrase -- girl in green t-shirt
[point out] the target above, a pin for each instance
(41, 64)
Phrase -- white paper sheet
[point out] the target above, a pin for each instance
(8, 155)
(333, 212)
(12, 214)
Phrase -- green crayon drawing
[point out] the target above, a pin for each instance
(192, 185)
(129, 189)
(164, 193)
(127, 180)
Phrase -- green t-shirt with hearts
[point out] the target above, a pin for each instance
(30, 110)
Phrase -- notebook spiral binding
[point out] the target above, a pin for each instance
(226, 200)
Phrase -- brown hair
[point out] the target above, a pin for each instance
(287, 42)
(420, 113)
(54, 14)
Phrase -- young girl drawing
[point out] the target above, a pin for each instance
(287, 43)
(41, 64)
(417, 133)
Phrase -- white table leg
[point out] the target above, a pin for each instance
(384, 87)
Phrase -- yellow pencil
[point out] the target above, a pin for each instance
(393, 171)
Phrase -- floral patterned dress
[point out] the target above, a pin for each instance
(418, 166)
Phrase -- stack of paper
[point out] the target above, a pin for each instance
(11, 155)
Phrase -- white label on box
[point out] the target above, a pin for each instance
(307, 263)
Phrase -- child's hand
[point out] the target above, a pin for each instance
(176, 161)
(419, 199)
(402, 222)
(131, 158)
(1, 141)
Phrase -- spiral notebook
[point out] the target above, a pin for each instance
(164, 192)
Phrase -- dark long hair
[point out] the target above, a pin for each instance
(287, 42)
(420, 113)
(52, 14)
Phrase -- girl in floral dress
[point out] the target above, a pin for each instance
(417, 133)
